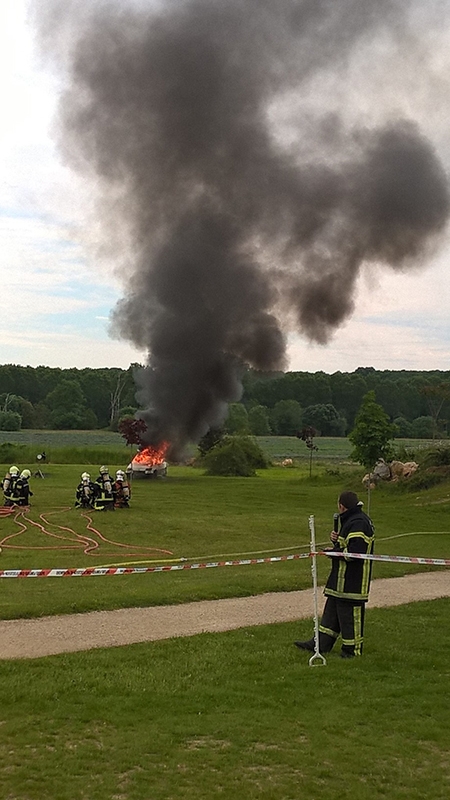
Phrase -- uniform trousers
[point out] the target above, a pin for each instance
(344, 617)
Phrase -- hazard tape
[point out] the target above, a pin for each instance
(438, 562)
(102, 571)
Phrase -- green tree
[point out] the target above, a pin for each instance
(348, 390)
(403, 428)
(325, 419)
(422, 428)
(372, 434)
(437, 395)
(10, 421)
(237, 419)
(286, 418)
(258, 421)
(67, 405)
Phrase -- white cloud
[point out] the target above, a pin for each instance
(65, 350)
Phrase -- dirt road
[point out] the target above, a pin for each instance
(33, 638)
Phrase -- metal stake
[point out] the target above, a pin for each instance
(317, 659)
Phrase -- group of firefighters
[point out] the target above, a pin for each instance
(105, 493)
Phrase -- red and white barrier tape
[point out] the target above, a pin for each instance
(438, 562)
(100, 571)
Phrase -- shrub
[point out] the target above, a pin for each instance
(228, 459)
(11, 453)
(253, 452)
(235, 456)
(10, 421)
(436, 457)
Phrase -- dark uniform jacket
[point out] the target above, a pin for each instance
(22, 492)
(350, 577)
(84, 496)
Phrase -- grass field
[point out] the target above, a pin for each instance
(232, 716)
(200, 518)
(235, 716)
(89, 446)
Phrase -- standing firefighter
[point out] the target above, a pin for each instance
(22, 491)
(103, 494)
(84, 497)
(121, 490)
(347, 587)
(9, 485)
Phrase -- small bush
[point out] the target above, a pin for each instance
(253, 452)
(228, 459)
(403, 453)
(11, 452)
(436, 457)
(235, 456)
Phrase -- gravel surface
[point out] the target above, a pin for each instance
(33, 638)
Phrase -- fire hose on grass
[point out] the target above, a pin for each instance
(317, 659)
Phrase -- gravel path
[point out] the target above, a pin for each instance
(33, 638)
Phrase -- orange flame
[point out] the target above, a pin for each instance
(151, 455)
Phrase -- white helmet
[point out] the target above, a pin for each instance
(85, 476)
(14, 470)
(103, 469)
(25, 473)
(120, 475)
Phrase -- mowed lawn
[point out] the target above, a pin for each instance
(231, 715)
(235, 715)
(201, 519)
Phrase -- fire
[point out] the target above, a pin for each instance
(151, 455)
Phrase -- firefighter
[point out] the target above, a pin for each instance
(121, 490)
(347, 587)
(22, 491)
(9, 485)
(84, 497)
(103, 494)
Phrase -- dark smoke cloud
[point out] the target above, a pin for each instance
(231, 236)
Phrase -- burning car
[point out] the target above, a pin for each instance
(149, 462)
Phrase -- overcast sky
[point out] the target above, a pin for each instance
(56, 300)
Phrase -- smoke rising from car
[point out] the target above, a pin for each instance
(240, 198)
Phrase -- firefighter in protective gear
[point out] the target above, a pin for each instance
(9, 485)
(121, 490)
(103, 494)
(22, 491)
(84, 497)
(347, 587)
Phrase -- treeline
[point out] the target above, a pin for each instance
(417, 402)
(53, 398)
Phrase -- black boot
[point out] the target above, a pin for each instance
(309, 645)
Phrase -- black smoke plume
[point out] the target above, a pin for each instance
(231, 233)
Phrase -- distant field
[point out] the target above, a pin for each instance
(275, 447)
(45, 440)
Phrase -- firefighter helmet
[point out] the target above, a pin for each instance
(14, 470)
(103, 469)
(120, 475)
(85, 476)
(25, 473)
